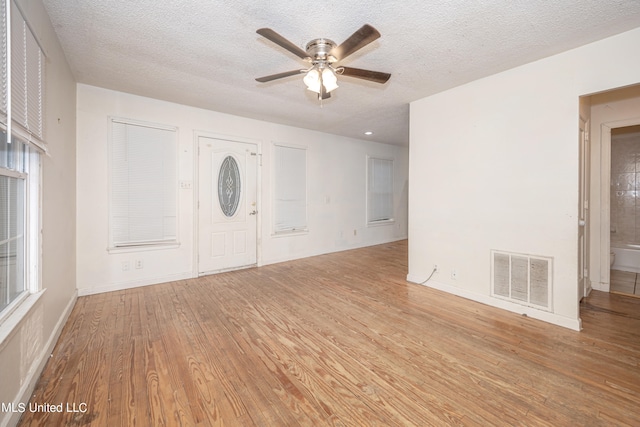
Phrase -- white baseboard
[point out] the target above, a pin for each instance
(575, 324)
(134, 284)
(302, 255)
(29, 383)
(83, 291)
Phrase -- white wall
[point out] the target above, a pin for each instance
(494, 165)
(608, 110)
(24, 353)
(336, 182)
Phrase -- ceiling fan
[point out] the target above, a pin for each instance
(321, 76)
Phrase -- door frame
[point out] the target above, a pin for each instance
(584, 191)
(196, 192)
(605, 196)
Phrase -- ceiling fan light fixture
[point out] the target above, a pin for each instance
(329, 79)
(312, 80)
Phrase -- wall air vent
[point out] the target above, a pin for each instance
(523, 279)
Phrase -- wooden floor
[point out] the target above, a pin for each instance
(340, 339)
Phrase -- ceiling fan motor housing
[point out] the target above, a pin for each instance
(319, 50)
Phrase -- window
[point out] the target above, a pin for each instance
(229, 186)
(21, 140)
(379, 190)
(14, 187)
(290, 189)
(143, 208)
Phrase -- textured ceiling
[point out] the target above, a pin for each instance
(206, 53)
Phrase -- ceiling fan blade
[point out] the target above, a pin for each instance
(374, 76)
(279, 76)
(365, 35)
(269, 34)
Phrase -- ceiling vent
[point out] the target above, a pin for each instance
(522, 279)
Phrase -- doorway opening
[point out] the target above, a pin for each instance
(624, 210)
(615, 188)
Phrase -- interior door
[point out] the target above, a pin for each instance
(227, 204)
(584, 286)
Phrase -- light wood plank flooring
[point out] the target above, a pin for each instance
(341, 340)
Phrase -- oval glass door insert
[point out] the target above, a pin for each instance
(229, 186)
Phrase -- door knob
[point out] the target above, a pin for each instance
(581, 223)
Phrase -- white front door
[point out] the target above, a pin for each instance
(227, 204)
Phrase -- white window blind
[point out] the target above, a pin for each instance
(290, 189)
(379, 190)
(27, 62)
(3, 63)
(143, 184)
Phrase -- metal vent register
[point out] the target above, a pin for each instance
(523, 279)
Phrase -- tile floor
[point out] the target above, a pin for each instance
(625, 282)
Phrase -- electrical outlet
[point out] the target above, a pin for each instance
(435, 268)
(125, 266)
(139, 264)
(454, 274)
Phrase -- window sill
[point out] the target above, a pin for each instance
(140, 248)
(291, 233)
(381, 223)
(10, 324)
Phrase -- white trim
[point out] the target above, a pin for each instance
(575, 324)
(159, 246)
(302, 255)
(29, 382)
(224, 137)
(19, 132)
(12, 173)
(290, 233)
(8, 65)
(120, 286)
(381, 222)
(195, 200)
(34, 230)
